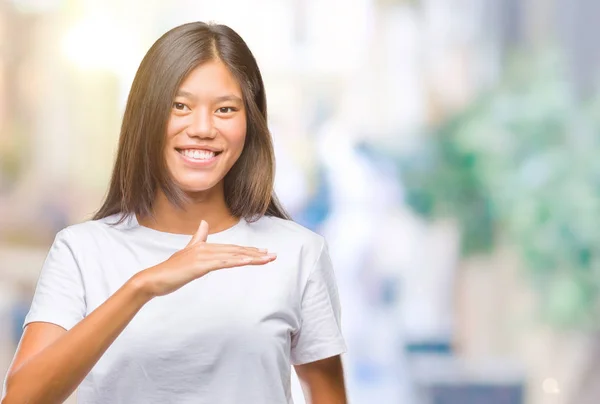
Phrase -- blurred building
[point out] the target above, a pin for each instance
(351, 86)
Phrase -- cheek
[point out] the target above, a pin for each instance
(175, 125)
(235, 132)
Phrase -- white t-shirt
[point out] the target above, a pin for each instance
(228, 337)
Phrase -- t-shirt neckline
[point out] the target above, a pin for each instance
(134, 224)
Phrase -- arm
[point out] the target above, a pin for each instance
(323, 381)
(58, 360)
(51, 362)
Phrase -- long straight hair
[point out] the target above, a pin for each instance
(140, 168)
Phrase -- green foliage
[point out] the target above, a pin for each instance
(523, 163)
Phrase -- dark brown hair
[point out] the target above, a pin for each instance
(140, 168)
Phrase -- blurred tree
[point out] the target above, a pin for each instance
(521, 165)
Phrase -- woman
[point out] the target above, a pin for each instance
(170, 294)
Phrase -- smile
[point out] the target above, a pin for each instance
(198, 157)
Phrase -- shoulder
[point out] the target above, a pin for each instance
(289, 232)
(90, 229)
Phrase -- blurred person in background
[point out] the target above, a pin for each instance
(116, 315)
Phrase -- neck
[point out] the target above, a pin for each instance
(207, 205)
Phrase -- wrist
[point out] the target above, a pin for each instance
(139, 287)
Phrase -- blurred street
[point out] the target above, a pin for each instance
(446, 149)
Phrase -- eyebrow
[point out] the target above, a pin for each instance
(183, 93)
(228, 97)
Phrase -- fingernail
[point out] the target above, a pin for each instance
(247, 259)
(272, 255)
(263, 250)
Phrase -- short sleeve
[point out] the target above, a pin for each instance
(319, 335)
(59, 295)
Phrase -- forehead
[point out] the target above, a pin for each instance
(212, 78)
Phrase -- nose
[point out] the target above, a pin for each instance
(201, 125)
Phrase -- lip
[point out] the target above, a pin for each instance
(197, 163)
(199, 147)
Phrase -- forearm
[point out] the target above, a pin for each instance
(53, 374)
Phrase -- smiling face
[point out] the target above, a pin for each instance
(206, 130)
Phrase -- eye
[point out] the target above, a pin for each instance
(180, 106)
(226, 110)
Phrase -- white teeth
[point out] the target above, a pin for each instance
(198, 154)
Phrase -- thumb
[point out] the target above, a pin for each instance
(201, 234)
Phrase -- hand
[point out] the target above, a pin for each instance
(196, 260)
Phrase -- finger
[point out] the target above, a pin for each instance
(218, 245)
(201, 234)
(236, 257)
(233, 249)
(232, 262)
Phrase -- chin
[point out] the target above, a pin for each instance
(197, 186)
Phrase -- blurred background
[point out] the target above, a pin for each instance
(447, 149)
